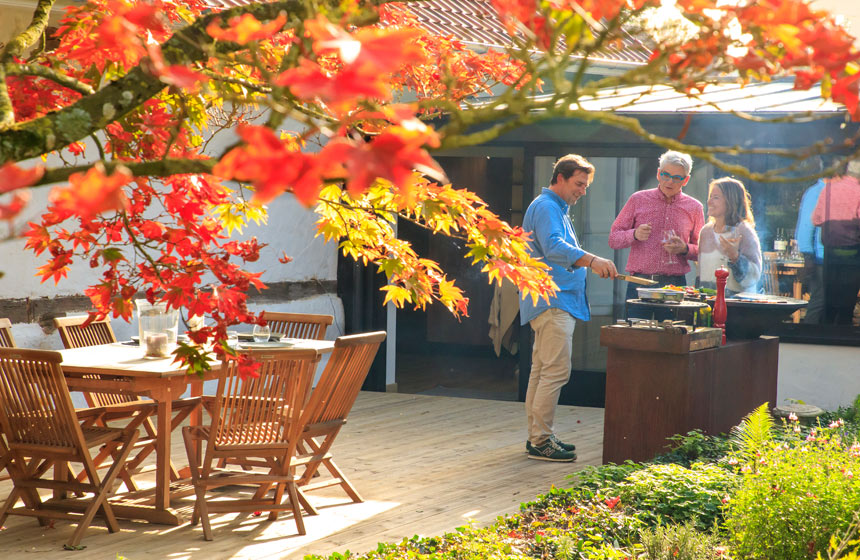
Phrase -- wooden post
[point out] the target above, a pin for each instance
(720, 310)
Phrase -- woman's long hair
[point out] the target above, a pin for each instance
(738, 207)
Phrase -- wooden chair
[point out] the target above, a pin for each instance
(328, 408)
(6, 341)
(298, 325)
(42, 430)
(6, 338)
(255, 419)
(74, 334)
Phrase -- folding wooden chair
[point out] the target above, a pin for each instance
(6, 341)
(328, 407)
(42, 430)
(6, 338)
(295, 325)
(253, 420)
(298, 325)
(119, 406)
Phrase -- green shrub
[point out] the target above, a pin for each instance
(695, 446)
(567, 527)
(845, 546)
(680, 542)
(664, 494)
(849, 414)
(593, 481)
(466, 543)
(794, 496)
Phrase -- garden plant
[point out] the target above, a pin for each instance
(764, 492)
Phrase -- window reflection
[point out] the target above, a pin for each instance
(820, 261)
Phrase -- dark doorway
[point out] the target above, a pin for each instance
(436, 353)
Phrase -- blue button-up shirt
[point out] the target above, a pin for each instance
(807, 235)
(554, 241)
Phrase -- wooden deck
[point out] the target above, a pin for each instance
(423, 464)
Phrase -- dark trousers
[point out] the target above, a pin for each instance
(814, 277)
(841, 283)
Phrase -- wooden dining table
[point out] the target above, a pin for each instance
(123, 369)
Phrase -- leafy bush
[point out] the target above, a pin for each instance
(669, 493)
(465, 543)
(845, 546)
(591, 481)
(575, 528)
(850, 415)
(795, 495)
(695, 446)
(680, 542)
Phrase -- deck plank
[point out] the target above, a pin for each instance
(424, 465)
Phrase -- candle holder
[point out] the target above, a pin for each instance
(720, 310)
(158, 328)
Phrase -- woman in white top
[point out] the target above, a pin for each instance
(729, 238)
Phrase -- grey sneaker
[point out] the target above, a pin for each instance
(565, 446)
(550, 451)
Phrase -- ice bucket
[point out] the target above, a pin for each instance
(158, 328)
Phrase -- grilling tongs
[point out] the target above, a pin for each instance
(637, 280)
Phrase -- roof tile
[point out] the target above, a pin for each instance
(475, 22)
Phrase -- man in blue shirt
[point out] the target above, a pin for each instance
(554, 241)
(808, 238)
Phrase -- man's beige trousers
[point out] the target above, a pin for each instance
(551, 355)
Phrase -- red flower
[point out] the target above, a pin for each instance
(612, 502)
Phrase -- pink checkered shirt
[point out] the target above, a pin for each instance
(683, 213)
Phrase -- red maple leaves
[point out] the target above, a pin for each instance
(353, 66)
(91, 193)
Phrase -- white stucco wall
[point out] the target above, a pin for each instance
(826, 376)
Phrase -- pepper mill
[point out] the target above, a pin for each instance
(720, 310)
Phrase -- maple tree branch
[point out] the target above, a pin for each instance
(15, 47)
(259, 88)
(706, 153)
(28, 37)
(15, 69)
(35, 137)
(156, 168)
(7, 112)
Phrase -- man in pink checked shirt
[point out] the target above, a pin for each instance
(661, 226)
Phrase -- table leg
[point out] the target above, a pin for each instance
(797, 293)
(195, 418)
(162, 452)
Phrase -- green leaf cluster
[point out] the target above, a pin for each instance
(680, 542)
(798, 495)
(670, 493)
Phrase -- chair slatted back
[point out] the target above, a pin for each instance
(340, 383)
(6, 341)
(36, 408)
(298, 325)
(74, 334)
(6, 338)
(263, 411)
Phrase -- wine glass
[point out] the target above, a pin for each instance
(730, 235)
(668, 258)
(261, 333)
